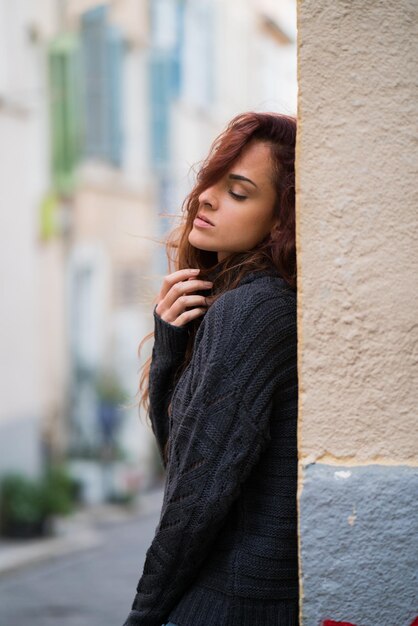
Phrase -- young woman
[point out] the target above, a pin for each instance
(223, 393)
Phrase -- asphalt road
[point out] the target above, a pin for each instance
(94, 587)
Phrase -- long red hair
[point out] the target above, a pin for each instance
(277, 250)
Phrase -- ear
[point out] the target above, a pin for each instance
(274, 226)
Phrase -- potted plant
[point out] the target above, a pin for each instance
(60, 491)
(27, 506)
(21, 507)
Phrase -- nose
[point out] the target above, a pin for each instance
(208, 198)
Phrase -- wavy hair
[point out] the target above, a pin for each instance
(277, 250)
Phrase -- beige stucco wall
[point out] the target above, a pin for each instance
(357, 232)
(357, 229)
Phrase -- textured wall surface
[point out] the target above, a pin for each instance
(358, 199)
(357, 236)
(359, 529)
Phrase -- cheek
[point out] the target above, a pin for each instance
(258, 225)
(246, 232)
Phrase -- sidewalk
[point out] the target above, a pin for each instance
(79, 531)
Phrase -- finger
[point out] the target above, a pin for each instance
(176, 291)
(175, 277)
(184, 288)
(187, 316)
(182, 303)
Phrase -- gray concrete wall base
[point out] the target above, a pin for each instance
(359, 529)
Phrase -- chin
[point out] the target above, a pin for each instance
(197, 241)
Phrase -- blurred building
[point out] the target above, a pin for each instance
(32, 358)
(104, 109)
(76, 258)
(209, 61)
(110, 262)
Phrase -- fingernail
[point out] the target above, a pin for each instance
(195, 271)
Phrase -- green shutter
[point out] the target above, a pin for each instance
(64, 78)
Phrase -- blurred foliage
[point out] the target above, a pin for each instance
(49, 217)
(60, 491)
(26, 504)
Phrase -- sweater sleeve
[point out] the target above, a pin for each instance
(168, 352)
(218, 436)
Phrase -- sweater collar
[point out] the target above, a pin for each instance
(252, 275)
(256, 274)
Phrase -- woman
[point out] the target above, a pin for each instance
(223, 393)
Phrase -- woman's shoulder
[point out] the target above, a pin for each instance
(254, 316)
(260, 299)
(263, 289)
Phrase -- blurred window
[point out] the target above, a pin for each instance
(160, 72)
(83, 326)
(197, 53)
(102, 54)
(167, 18)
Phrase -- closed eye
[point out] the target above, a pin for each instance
(237, 196)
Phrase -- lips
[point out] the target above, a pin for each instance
(205, 219)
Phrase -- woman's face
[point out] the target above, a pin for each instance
(239, 206)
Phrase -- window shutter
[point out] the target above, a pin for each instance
(115, 48)
(94, 69)
(102, 46)
(167, 17)
(64, 73)
(160, 92)
(177, 50)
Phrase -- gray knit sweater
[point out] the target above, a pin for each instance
(225, 548)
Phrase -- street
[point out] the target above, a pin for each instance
(94, 587)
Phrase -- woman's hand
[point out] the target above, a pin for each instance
(176, 296)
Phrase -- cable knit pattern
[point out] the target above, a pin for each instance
(225, 548)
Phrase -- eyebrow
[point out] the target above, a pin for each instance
(239, 177)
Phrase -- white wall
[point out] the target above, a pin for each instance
(24, 180)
